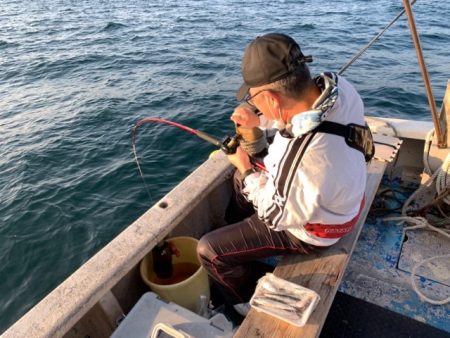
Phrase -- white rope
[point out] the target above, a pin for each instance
(420, 293)
(442, 178)
(426, 151)
(442, 174)
(422, 223)
(424, 186)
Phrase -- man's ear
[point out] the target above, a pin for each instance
(273, 99)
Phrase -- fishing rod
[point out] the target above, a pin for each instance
(228, 144)
(371, 42)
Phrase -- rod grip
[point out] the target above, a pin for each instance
(209, 138)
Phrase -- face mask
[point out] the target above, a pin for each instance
(301, 124)
(279, 123)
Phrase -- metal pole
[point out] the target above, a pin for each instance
(423, 68)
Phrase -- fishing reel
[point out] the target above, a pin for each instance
(229, 144)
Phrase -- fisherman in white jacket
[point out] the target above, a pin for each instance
(312, 190)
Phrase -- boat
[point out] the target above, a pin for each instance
(96, 298)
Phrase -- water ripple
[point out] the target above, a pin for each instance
(113, 26)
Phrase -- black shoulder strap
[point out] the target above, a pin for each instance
(356, 136)
(333, 128)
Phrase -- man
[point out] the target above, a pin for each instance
(312, 191)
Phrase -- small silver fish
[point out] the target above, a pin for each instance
(271, 303)
(278, 309)
(282, 297)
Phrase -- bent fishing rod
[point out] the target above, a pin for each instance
(228, 144)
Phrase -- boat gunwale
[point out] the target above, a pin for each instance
(64, 306)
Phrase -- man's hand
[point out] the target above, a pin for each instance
(240, 160)
(245, 116)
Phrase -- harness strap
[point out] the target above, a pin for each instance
(356, 136)
(334, 230)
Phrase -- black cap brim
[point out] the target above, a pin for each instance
(243, 90)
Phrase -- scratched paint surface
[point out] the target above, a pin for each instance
(374, 275)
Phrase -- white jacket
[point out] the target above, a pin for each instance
(312, 178)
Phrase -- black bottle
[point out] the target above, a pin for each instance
(162, 260)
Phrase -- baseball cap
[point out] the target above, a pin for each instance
(267, 59)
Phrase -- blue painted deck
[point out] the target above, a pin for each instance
(373, 273)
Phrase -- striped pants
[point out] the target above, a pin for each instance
(230, 253)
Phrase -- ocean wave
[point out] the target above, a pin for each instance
(66, 67)
(112, 26)
(6, 44)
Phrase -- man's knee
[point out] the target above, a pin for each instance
(205, 250)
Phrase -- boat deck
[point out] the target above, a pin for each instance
(380, 268)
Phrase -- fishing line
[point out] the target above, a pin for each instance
(227, 144)
(136, 159)
(374, 39)
(159, 120)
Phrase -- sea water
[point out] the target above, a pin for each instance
(76, 75)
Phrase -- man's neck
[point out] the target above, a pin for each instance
(299, 106)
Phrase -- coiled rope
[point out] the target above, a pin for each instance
(441, 177)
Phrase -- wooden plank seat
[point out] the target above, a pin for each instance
(321, 272)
